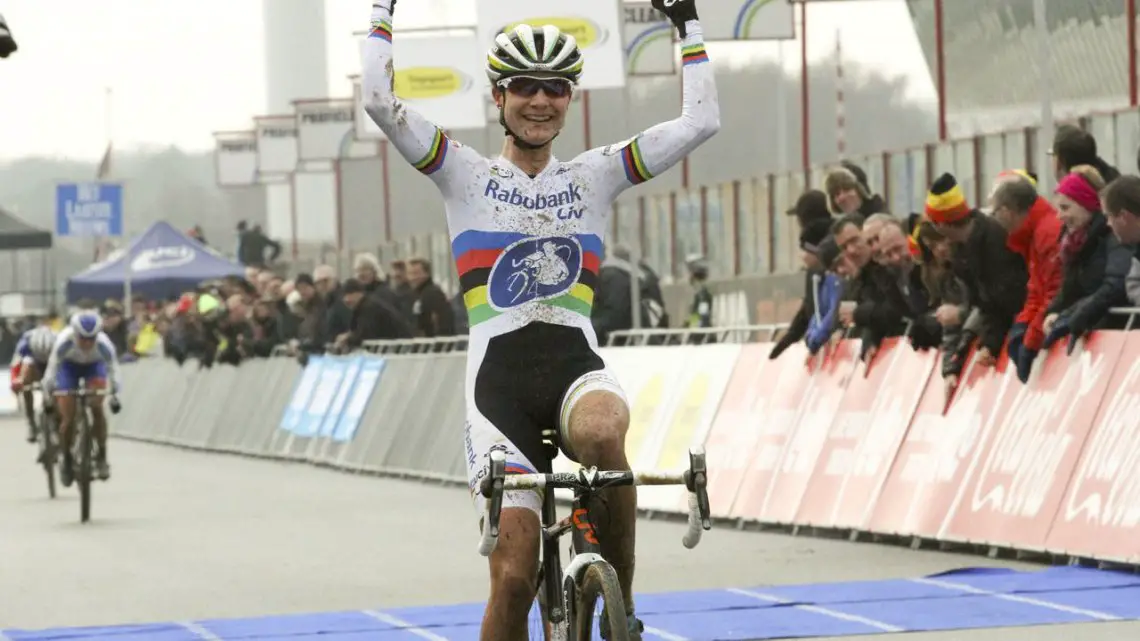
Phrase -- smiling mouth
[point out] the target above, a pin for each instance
(538, 119)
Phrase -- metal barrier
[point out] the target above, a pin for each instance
(694, 335)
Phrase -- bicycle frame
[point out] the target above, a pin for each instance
(560, 586)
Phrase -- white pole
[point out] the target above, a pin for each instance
(110, 126)
(781, 112)
(1045, 133)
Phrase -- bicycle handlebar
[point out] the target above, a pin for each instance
(695, 479)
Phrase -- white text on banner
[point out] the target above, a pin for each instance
(302, 392)
(648, 41)
(440, 75)
(351, 370)
(366, 380)
(328, 381)
(595, 24)
(276, 144)
(235, 158)
(748, 20)
(323, 128)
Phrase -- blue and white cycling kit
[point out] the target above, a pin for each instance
(528, 251)
(28, 356)
(69, 363)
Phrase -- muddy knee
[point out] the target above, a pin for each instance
(599, 434)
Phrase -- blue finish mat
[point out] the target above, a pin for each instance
(959, 600)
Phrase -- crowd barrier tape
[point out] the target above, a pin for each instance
(826, 441)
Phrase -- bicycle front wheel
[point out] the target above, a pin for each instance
(600, 581)
(47, 451)
(85, 472)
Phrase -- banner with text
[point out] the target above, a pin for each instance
(276, 144)
(235, 158)
(595, 24)
(324, 128)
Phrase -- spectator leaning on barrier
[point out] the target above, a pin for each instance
(431, 313)
(373, 318)
(311, 333)
(867, 305)
(907, 291)
(948, 298)
(1035, 233)
(1074, 146)
(815, 276)
(1095, 263)
(995, 277)
(1121, 199)
(338, 317)
(827, 296)
(848, 192)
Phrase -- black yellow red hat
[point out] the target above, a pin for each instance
(946, 202)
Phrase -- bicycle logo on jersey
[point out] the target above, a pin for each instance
(534, 269)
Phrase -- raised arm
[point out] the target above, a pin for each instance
(658, 148)
(420, 142)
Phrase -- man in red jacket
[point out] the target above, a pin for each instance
(1035, 233)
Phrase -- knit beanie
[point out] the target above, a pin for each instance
(946, 203)
(813, 234)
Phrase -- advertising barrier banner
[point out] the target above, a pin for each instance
(1099, 513)
(1021, 470)
(235, 158)
(779, 410)
(276, 144)
(357, 396)
(595, 24)
(295, 411)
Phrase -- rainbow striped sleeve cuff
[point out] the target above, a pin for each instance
(436, 155)
(635, 170)
(694, 54)
(381, 29)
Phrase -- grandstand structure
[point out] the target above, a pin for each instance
(991, 75)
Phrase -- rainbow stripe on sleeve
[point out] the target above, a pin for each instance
(436, 155)
(635, 170)
(381, 30)
(694, 54)
(476, 252)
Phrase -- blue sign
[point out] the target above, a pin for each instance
(299, 401)
(89, 209)
(326, 383)
(367, 378)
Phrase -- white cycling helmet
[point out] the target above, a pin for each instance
(41, 340)
(87, 324)
(524, 50)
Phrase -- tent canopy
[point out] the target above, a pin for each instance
(164, 263)
(16, 234)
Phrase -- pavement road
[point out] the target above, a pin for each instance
(182, 535)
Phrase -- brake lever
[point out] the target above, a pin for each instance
(698, 482)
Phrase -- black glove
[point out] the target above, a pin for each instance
(7, 43)
(678, 11)
(1024, 361)
(115, 406)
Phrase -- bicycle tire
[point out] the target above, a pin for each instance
(600, 580)
(84, 476)
(46, 452)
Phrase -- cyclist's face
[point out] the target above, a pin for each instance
(534, 108)
(86, 344)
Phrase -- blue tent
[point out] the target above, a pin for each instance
(164, 263)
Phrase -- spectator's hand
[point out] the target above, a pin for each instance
(1058, 329)
(1047, 326)
(847, 313)
(869, 354)
(1016, 336)
(985, 358)
(1024, 362)
(948, 315)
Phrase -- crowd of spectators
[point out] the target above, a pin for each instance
(1021, 272)
(235, 319)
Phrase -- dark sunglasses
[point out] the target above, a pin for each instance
(528, 87)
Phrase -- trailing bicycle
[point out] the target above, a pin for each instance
(568, 597)
(47, 438)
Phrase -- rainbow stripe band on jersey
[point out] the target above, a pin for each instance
(635, 170)
(477, 251)
(694, 55)
(381, 30)
(433, 160)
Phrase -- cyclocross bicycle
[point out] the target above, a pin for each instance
(567, 598)
(83, 446)
(46, 440)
